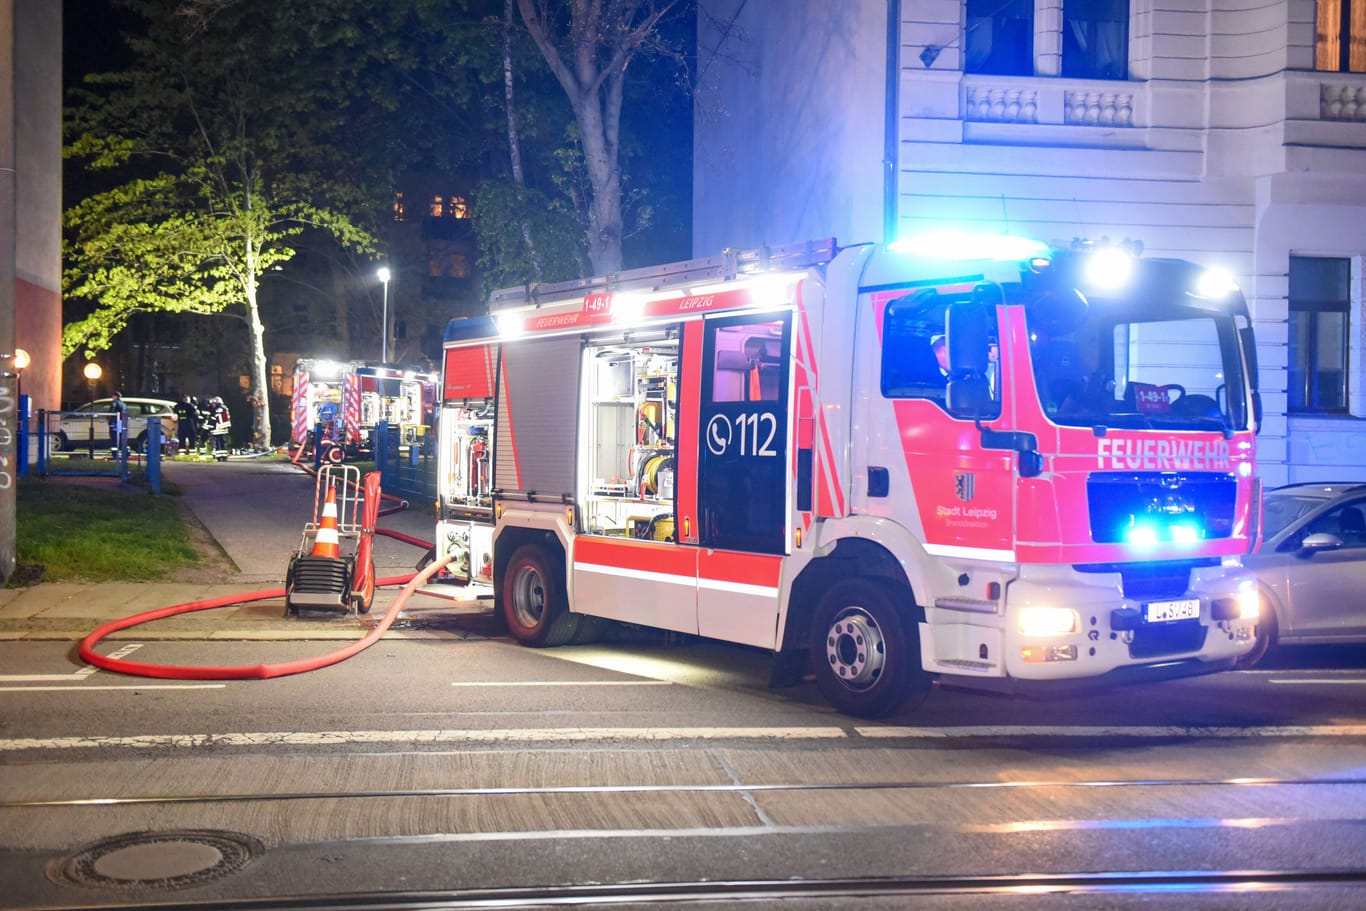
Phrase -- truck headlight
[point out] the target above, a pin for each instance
(1047, 621)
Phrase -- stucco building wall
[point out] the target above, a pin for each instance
(1223, 146)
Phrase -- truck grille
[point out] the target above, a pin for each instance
(1162, 504)
(1158, 640)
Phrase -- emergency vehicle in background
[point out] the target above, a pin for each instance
(763, 448)
(350, 398)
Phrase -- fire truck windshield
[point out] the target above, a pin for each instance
(1138, 364)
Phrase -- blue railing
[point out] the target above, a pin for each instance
(407, 467)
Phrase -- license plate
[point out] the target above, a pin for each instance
(1167, 611)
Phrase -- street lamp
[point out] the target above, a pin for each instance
(92, 373)
(384, 275)
(21, 362)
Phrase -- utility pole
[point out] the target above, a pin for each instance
(9, 398)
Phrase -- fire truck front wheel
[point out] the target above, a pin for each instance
(533, 599)
(865, 662)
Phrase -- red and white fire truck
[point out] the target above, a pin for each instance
(766, 448)
(348, 399)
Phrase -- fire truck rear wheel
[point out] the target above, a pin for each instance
(865, 663)
(533, 599)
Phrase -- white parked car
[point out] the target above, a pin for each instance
(95, 418)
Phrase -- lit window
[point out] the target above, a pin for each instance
(1320, 329)
(459, 208)
(1340, 36)
(438, 207)
(399, 211)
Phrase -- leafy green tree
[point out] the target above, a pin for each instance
(219, 147)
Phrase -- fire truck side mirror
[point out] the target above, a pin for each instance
(970, 397)
(970, 326)
(1025, 444)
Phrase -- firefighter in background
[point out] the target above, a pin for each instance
(220, 426)
(187, 424)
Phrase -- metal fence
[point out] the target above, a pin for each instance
(407, 467)
(89, 444)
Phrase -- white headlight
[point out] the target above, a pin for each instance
(1047, 621)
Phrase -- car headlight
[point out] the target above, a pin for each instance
(1047, 621)
(1249, 602)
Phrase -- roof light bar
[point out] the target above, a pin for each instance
(962, 245)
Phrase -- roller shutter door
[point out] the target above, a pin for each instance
(535, 442)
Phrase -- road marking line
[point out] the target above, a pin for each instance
(1320, 730)
(566, 683)
(101, 689)
(564, 735)
(1331, 681)
(74, 677)
(552, 735)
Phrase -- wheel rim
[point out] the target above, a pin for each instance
(528, 597)
(854, 648)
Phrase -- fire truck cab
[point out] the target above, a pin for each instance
(984, 460)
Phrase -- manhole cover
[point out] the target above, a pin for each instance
(157, 860)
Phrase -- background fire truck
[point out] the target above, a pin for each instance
(768, 448)
(348, 399)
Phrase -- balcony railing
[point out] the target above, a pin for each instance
(1040, 100)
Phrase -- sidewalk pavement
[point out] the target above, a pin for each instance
(256, 511)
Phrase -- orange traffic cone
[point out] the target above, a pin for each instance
(326, 543)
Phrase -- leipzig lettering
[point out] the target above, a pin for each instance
(704, 302)
(1164, 455)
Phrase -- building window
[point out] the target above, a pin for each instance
(1000, 37)
(1005, 38)
(438, 207)
(399, 210)
(1095, 39)
(1320, 319)
(459, 208)
(1340, 36)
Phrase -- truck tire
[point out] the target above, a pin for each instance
(533, 601)
(865, 663)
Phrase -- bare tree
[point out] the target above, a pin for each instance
(589, 45)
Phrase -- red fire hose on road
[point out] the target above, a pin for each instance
(370, 514)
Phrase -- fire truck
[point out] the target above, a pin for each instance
(984, 461)
(348, 399)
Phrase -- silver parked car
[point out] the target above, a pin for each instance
(1311, 568)
(93, 418)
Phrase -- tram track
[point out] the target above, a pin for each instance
(906, 843)
(735, 788)
(1275, 888)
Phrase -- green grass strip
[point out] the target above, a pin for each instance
(91, 533)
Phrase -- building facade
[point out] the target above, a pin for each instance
(1232, 134)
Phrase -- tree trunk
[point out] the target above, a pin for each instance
(514, 136)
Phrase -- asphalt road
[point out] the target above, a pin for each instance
(462, 770)
(475, 765)
(257, 511)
